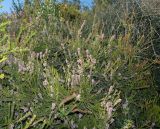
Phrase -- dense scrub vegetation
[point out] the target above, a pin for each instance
(63, 65)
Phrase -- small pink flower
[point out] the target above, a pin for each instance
(79, 61)
(110, 90)
(79, 51)
(40, 55)
(45, 64)
(33, 55)
(93, 61)
(45, 82)
(53, 106)
(87, 53)
(109, 111)
(78, 97)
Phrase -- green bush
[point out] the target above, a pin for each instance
(97, 70)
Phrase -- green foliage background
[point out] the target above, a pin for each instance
(66, 66)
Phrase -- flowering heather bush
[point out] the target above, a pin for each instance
(96, 70)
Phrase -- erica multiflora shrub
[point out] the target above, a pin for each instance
(42, 96)
(63, 66)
